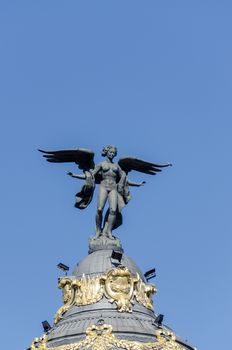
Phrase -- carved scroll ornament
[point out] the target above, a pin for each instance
(68, 297)
(118, 285)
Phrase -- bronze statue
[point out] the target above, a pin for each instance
(112, 178)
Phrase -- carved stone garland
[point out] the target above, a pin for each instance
(118, 285)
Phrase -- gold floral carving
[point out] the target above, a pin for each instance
(100, 337)
(118, 285)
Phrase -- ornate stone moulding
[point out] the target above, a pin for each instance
(118, 286)
(100, 337)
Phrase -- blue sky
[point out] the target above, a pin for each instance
(154, 78)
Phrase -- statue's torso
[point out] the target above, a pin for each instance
(110, 174)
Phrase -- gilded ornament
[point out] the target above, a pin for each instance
(168, 338)
(119, 288)
(68, 297)
(39, 343)
(118, 285)
(100, 337)
(89, 290)
(143, 293)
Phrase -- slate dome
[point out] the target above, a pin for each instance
(100, 261)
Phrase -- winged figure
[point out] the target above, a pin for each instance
(112, 178)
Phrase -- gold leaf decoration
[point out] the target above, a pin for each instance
(100, 337)
(68, 297)
(119, 288)
(143, 293)
(118, 285)
(89, 290)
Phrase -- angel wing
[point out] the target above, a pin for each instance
(129, 163)
(84, 158)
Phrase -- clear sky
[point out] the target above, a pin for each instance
(154, 78)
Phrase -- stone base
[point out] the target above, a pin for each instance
(104, 243)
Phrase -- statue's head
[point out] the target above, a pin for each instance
(109, 151)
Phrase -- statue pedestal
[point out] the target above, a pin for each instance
(104, 243)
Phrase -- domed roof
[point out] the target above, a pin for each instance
(100, 261)
(137, 325)
(106, 293)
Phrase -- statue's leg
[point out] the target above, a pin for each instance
(102, 197)
(113, 200)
